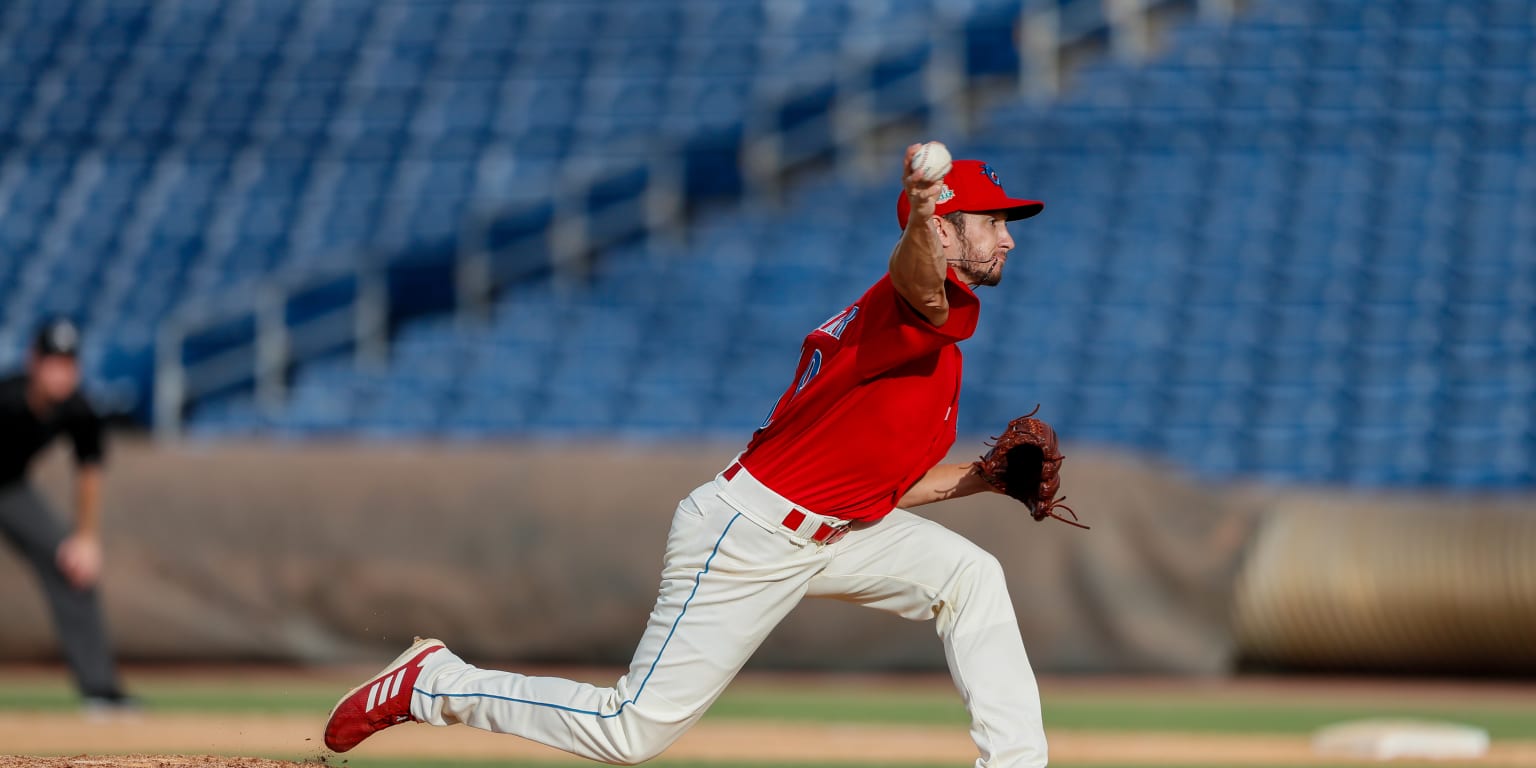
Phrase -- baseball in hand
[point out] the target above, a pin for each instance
(932, 160)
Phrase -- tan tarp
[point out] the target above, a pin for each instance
(1392, 582)
(320, 553)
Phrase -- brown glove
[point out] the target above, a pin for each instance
(1025, 463)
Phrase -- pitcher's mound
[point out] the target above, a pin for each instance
(145, 761)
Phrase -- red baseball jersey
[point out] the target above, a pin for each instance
(872, 406)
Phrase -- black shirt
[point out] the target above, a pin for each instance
(23, 434)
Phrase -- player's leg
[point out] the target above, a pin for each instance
(920, 570)
(726, 583)
(29, 525)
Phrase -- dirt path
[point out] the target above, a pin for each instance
(724, 740)
(140, 761)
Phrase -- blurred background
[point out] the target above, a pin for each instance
(418, 316)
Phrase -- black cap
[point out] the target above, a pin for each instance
(57, 337)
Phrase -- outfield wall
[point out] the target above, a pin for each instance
(551, 553)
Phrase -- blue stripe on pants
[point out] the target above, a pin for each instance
(696, 579)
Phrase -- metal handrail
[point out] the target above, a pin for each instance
(479, 269)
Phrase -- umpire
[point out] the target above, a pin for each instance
(36, 406)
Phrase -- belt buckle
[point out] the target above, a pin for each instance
(824, 533)
(829, 534)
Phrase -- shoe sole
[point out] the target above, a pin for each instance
(416, 647)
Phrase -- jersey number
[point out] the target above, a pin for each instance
(834, 328)
(812, 367)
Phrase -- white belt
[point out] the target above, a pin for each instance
(771, 509)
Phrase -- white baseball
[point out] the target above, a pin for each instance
(932, 160)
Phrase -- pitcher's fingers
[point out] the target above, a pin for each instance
(911, 150)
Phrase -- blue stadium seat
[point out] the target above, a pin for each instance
(1310, 227)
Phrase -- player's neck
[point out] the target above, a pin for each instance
(39, 403)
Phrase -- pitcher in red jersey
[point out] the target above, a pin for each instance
(817, 506)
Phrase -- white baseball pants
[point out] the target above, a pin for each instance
(730, 576)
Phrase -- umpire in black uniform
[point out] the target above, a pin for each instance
(36, 406)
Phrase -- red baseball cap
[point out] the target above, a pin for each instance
(972, 186)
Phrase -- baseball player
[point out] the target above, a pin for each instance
(35, 407)
(817, 506)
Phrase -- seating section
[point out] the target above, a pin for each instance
(154, 151)
(1299, 248)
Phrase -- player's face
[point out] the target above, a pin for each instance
(984, 248)
(55, 377)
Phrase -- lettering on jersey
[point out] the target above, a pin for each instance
(839, 323)
(771, 412)
(812, 367)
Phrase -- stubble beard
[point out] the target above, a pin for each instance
(976, 274)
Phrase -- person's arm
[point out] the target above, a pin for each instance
(917, 265)
(945, 481)
(79, 555)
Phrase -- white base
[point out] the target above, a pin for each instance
(1389, 739)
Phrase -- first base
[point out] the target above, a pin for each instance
(1389, 739)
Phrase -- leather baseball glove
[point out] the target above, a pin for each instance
(1024, 462)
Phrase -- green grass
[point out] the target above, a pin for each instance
(902, 707)
(159, 696)
(1143, 713)
(831, 704)
(1501, 721)
(1123, 712)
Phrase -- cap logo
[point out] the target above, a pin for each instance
(945, 194)
(64, 336)
(986, 170)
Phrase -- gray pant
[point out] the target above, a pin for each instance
(27, 522)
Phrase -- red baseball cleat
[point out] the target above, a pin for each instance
(381, 702)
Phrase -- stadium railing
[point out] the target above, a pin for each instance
(253, 337)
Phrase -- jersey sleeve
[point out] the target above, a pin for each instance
(891, 332)
(85, 431)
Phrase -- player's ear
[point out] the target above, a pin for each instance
(944, 230)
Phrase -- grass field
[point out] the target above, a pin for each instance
(1073, 710)
(925, 702)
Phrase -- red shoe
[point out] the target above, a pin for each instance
(381, 702)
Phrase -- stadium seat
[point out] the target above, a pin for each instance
(1292, 247)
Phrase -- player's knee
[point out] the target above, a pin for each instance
(626, 757)
(637, 752)
(979, 572)
(641, 744)
(984, 566)
(976, 588)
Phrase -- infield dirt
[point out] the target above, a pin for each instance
(745, 742)
(142, 761)
(186, 719)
